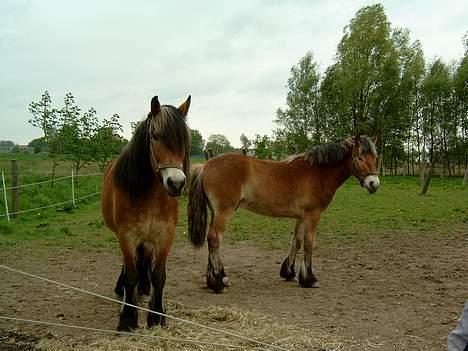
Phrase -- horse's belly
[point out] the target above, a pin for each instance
(270, 209)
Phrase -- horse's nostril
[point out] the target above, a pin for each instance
(170, 182)
(371, 183)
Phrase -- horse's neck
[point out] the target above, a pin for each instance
(338, 173)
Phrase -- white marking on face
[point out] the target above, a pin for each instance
(173, 180)
(372, 183)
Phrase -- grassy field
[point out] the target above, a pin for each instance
(353, 214)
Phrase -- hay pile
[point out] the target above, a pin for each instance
(248, 324)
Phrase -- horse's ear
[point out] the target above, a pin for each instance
(185, 106)
(155, 106)
(375, 138)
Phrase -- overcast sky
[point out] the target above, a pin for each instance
(233, 57)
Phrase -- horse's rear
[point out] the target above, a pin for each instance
(139, 204)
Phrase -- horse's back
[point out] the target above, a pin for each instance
(274, 188)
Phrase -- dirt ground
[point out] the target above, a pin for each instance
(392, 292)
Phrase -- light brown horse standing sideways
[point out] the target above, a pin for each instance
(139, 204)
(300, 187)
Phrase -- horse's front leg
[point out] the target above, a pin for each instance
(216, 279)
(158, 279)
(307, 278)
(287, 268)
(128, 315)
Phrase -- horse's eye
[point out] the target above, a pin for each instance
(360, 158)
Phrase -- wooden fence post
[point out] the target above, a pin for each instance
(15, 189)
(210, 153)
(206, 156)
(244, 151)
(5, 197)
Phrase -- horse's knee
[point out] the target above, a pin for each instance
(307, 278)
(287, 270)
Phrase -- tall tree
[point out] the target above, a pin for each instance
(245, 142)
(362, 68)
(197, 143)
(301, 120)
(219, 144)
(105, 142)
(46, 118)
(436, 93)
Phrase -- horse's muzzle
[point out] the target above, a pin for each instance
(371, 183)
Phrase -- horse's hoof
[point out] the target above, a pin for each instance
(156, 320)
(308, 281)
(215, 283)
(286, 272)
(127, 325)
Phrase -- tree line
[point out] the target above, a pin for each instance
(379, 85)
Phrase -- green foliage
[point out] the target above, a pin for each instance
(245, 142)
(219, 144)
(262, 147)
(76, 136)
(301, 122)
(39, 145)
(197, 143)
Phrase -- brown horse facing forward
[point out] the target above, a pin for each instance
(300, 187)
(139, 205)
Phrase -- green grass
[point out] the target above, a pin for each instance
(353, 215)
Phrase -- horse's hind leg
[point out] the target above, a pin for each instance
(128, 315)
(216, 279)
(307, 278)
(287, 268)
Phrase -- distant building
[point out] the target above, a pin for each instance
(6, 146)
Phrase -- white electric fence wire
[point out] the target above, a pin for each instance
(51, 180)
(145, 309)
(53, 205)
(179, 340)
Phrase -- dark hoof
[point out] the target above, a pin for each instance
(128, 322)
(215, 282)
(286, 272)
(155, 320)
(308, 281)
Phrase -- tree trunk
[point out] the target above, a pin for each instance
(427, 179)
(465, 178)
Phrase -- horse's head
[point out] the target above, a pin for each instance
(365, 163)
(169, 139)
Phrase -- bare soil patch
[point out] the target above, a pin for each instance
(391, 292)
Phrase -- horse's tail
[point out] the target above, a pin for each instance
(197, 209)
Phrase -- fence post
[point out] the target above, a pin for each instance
(210, 153)
(244, 151)
(73, 187)
(5, 197)
(15, 189)
(206, 155)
